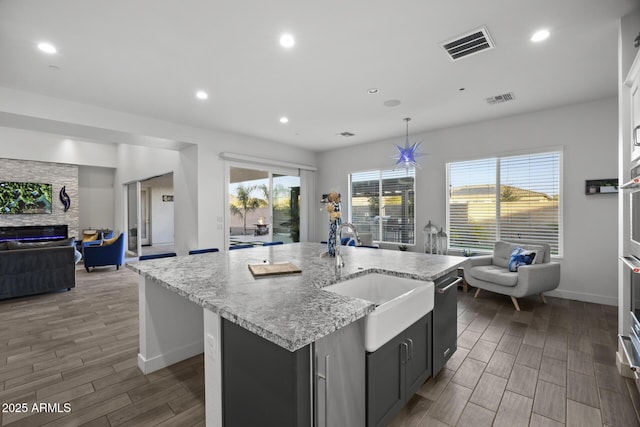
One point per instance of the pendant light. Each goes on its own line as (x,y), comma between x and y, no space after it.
(406,156)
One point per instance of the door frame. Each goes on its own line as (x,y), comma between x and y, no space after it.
(270,169)
(145,202)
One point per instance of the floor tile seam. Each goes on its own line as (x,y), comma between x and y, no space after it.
(565,406)
(584,403)
(129,421)
(581,372)
(417,424)
(600,410)
(626,396)
(74,380)
(482,406)
(177,385)
(92,407)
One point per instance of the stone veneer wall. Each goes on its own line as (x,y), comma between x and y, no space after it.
(56,174)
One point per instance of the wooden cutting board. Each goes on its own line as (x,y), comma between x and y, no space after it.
(260,270)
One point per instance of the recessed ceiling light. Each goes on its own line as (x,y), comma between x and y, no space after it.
(202,94)
(284,120)
(287,40)
(540,35)
(47,47)
(373,91)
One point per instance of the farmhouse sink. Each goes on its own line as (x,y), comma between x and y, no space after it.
(400,302)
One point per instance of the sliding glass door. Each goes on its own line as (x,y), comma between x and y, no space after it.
(285,209)
(264,206)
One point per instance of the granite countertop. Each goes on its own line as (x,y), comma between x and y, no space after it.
(289,310)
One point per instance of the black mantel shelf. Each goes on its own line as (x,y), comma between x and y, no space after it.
(34,233)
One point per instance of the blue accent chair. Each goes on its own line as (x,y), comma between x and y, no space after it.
(202,251)
(99,256)
(240,247)
(156,256)
(273,243)
(98,242)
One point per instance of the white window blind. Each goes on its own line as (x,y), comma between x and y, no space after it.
(383,203)
(505,198)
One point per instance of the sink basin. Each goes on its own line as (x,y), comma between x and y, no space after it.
(400,303)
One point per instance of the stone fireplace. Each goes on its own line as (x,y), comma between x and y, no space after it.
(58,175)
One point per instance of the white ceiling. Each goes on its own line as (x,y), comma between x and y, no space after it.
(148,57)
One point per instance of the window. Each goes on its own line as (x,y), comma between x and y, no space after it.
(526,205)
(383,203)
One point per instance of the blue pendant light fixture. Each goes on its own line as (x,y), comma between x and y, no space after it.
(406,156)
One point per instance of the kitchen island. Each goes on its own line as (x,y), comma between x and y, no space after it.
(186,301)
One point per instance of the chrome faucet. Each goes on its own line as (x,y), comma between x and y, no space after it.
(339,260)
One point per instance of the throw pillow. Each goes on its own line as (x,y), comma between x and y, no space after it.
(106,242)
(520,257)
(77,255)
(89,237)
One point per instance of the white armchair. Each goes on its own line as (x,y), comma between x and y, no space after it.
(491,272)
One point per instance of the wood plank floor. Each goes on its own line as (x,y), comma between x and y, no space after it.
(80,347)
(548,365)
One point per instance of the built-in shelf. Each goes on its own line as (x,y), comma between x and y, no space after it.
(601,186)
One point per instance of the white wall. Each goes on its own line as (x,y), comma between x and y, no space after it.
(588,134)
(96,162)
(96,197)
(162,215)
(46,147)
(211,178)
(136,163)
(148,147)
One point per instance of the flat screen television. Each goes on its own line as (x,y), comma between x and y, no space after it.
(25,198)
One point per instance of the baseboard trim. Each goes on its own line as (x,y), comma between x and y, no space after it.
(584,297)
(160,361)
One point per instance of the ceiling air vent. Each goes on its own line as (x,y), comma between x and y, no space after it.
(499,99)
(473,42)
(346,134)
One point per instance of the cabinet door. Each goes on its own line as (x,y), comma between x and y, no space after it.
(263,384)
(445,326)
(340,378)
(418,368)
(385,381)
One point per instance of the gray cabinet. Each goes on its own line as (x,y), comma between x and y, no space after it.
(445,325)
(263,384)
(320,385)
(339,368)
(397,370)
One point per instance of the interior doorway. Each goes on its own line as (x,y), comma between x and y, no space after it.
(150,215)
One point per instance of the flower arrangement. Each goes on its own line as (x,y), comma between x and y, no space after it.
(333,206)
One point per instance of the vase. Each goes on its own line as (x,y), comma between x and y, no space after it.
(331,241)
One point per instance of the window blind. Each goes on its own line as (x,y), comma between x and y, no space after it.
(505,198)
(382,202)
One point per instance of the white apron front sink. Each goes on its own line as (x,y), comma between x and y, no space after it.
(400,303)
